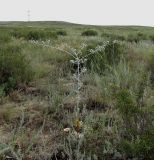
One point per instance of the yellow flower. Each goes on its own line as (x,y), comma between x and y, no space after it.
(78,125)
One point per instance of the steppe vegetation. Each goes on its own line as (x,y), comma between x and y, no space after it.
(75,92)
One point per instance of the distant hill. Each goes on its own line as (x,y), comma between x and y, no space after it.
(62,23)
(77,29)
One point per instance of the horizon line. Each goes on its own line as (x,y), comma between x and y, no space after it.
(75,23)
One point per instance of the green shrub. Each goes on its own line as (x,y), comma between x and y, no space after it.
(145,146)
(4,38)
(61,33)
(34,34)
(132,38)
(141,36)
(120,37)
(114,50)
(125,103)
(151,68)
(50,35)
(106,35)
(101,60)
(141,148)
(40,35)
(89,33)
(14,68)
(151,38)
(17,33)
(137,134)
(95,62)
(136,37)
(113,36)
(2,93)
(129,112)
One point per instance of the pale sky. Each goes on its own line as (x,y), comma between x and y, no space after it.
(96,12)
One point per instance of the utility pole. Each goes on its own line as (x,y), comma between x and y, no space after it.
(28,15)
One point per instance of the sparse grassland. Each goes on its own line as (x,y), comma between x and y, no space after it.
(76,92)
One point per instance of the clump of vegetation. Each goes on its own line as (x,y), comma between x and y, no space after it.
(89,32)
(151,38)
(35,35)
(91,101)
(113,36)
(136,37)
(136,134)
(40,35)
(30,34)
(61,33)
(151,67)
(4,38)
(101,60)
(14,68)
(142,36)
(132,38)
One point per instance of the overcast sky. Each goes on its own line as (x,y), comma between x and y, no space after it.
(97,12)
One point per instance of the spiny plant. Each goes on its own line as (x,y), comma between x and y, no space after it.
(75,139)
(78,61)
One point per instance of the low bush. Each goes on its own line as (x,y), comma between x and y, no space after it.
(151,68)
(34,34)
(141,148)
(136,37)
(89,33)
(113,36)
(151,38)
(61,33)
(141,36)
(137,122)
(101,60)
(14,68)
(128,90)
(99,139)
(132,38)
(17,33)
(4,38)
(40,35)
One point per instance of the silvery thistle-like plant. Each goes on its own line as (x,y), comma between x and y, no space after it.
(79,60)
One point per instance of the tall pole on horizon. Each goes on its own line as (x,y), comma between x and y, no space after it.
(28,15)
